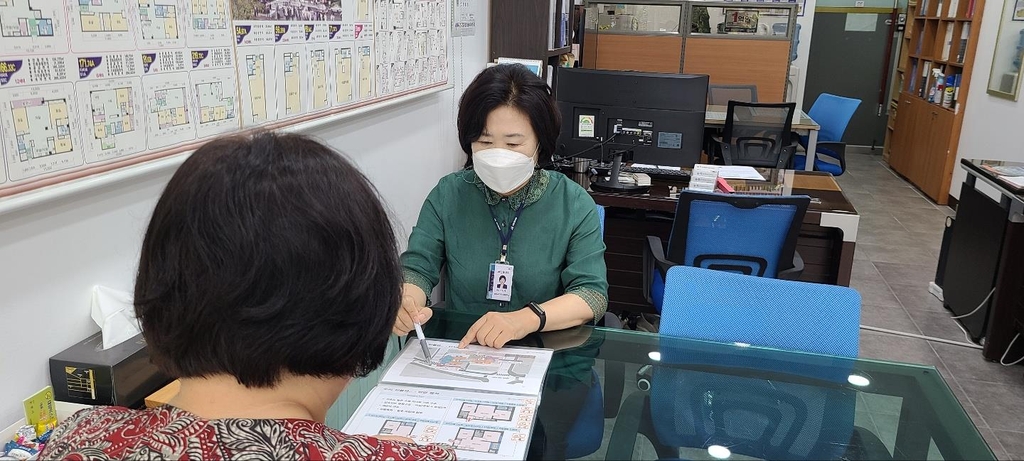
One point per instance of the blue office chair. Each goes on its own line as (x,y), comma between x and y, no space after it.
(587,431)
(833,114)
(753,235)
(756,402)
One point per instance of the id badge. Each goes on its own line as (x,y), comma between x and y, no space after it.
(499,281)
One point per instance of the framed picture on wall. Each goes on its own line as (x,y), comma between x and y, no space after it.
(1018,11)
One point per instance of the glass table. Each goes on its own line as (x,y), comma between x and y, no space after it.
(700,400)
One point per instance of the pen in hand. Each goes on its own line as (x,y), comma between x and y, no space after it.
(423,342)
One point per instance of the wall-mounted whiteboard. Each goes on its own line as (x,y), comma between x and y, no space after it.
(90,86)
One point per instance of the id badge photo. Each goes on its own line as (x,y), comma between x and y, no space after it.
(499,281)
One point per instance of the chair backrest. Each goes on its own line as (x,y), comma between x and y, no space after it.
(720,95)
(749,234)
(757,133)
(783,314)
(809,416)
(833,114)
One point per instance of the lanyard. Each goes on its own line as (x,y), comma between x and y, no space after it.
(506,237)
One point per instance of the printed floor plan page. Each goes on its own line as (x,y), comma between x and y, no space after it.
(515,370)
(478,425)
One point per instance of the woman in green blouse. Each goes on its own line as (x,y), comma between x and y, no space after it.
(502,216)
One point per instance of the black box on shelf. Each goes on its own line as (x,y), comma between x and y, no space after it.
(122,375)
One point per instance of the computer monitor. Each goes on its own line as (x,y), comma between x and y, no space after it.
(655,118)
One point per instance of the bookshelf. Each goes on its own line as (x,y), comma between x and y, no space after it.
(531,29)
(924,123)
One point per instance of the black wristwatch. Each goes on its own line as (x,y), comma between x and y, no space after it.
(540,313)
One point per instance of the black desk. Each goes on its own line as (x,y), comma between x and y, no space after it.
(908,408)
(985,253)
(828,237)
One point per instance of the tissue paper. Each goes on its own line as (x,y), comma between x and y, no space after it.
(114,312)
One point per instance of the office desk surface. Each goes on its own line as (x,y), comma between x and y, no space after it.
(801,122)
(826,195)
(908,411)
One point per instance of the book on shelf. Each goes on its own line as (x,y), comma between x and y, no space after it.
(913,77)
(553,18)
(947,43)
(970,9)
(965,35)
(953,5)
(938,9)
(481,401)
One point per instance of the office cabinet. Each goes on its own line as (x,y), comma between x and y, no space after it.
(922,139)
(920,148)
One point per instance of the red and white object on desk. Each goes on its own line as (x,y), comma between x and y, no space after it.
(723,186)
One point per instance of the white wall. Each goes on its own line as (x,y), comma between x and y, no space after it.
(52,254)
(992,125)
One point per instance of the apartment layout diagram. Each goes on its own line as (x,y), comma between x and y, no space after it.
(486,412)
(318,78)
(256,73)
(464,365)
(18,18)
(342,74)
(215,103)
(395,427)
(170,108)
(209,14)
(365,72)
(478,440)
(159,21)
(113,114)
(42,127)
(102,15)
(292,79)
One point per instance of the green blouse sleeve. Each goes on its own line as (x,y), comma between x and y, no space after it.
(585,274)
(423,259)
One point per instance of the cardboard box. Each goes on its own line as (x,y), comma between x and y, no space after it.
(122,375)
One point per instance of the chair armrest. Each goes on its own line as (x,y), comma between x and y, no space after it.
(627,426)
(654,260)
(794,272)
(786,156)
(837,148)
(614,383)
(726,149)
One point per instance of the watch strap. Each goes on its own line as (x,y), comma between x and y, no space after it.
(540,313)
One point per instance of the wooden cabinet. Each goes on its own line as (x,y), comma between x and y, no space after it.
(923,138)
(920,148)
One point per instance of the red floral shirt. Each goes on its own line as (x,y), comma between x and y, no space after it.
(167,432)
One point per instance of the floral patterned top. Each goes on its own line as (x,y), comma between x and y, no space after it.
(167,432)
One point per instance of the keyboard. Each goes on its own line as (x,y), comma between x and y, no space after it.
(659,173)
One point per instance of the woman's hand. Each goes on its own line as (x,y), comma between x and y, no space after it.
(495,329)
(412,311)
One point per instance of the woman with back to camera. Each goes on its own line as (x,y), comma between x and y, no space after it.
(502,216)
(269,278)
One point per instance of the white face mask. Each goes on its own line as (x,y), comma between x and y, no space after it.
(502,170)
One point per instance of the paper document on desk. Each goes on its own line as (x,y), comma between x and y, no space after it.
(714,115)
(478,426)
(1016,181)
(513,370)
(739,172)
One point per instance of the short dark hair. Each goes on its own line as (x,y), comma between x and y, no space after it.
(515,86)
(265,255)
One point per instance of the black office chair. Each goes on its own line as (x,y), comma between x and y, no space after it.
(757,134)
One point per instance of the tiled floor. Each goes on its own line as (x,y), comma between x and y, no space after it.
(897,251)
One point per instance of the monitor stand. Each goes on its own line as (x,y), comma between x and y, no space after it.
(612,184)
